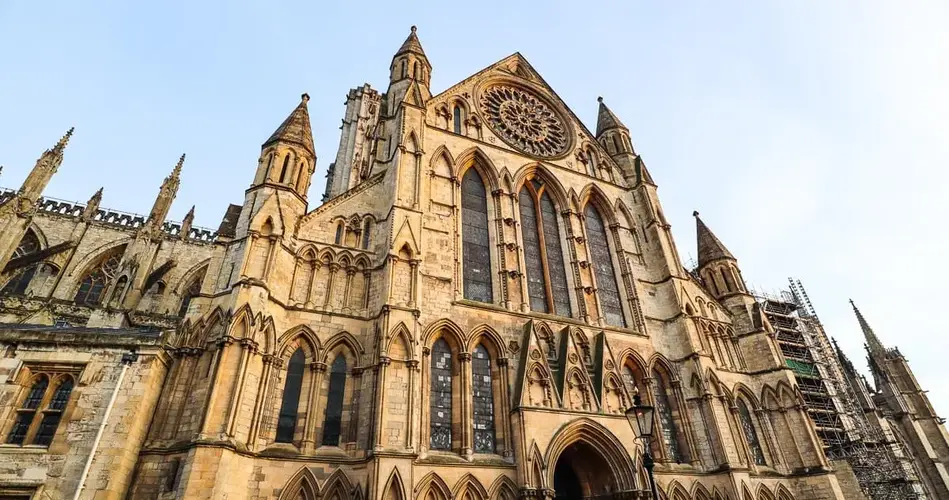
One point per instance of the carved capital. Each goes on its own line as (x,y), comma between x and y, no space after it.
(318,367)
(412,364)
(426,351)
(385,360)
(509,221)
(589,290)
(502,362)
(511,246)
(514,273)
(583,264)
(464,357)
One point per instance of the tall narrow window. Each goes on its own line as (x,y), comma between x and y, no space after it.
(591,164)
(339,234)
(334,402)
(751,435)
(366,233)
(483,397)
(53,413)
(475,241)
(440,418)
(607,289)
(456,122)
(616,144)
(287,421)
(18,284)
(669,439)
(94,284)
(26,412)
(283,170)
(543,255)
(403,68)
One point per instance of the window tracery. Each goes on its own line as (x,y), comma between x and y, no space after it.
(94,284)
(668,430)
(334,402)
(546,276)
(19,283)
(38,417)
(440,407)
(287,419)
(607,288)
(751,435)
(476,251)
(483,397)
(524,121)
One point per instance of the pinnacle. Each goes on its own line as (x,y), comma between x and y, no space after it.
(710,247)
(606,120)
(296,128)
(61,145)
(411,44)
(177,171)
(873,342)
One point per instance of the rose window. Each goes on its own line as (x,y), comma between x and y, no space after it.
(524,121)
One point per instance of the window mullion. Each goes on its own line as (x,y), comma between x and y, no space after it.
(40,411)
(541,242)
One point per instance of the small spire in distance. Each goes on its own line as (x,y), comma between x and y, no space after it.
(605,119)
(177,171)
(61,145)
(411,44)
(97,196)
(295,128)
(190,215)
(710,247)
(873,342)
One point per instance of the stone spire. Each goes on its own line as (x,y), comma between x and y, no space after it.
(411,45)
(710,247)
(295,129)
(873,342)
(186,223)
(43,171)
(92,206)
(606,120)
(410,73)
(166,195)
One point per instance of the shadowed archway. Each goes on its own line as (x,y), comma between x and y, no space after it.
(582,473)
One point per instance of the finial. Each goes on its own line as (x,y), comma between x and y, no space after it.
(599,99)
(64,140)
(305,97)
(190,214)
(695,213)
(414,29)
(98,193)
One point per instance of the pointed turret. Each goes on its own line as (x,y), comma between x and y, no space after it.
(186,224)
(409,74)
(295,129)
(411,44)
(43,171)
(166,195)
(606,120)
(717,266)
(873,342)
(92,206)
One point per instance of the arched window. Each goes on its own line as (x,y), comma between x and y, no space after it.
(283,170)
(19,283)
(607,289)
(334,402)
(415,70)
(339,234)
(546,275)
(456,119)
(481,385)
(287,421)
(669,439)
(591,164)
(26,412)
(475,241)
(403,72)
(119,292)
(616,144)
(94,284)
(192,291)
(53,413)
(751,435)
(440,418)
(366,233)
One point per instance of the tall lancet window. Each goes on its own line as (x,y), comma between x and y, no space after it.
(668,431)
(440,407)
(607,289)
(476,247)
(334,402)
(543,254)
(751,435)
(483,398)
(456,119)
(19,283)
(287,421)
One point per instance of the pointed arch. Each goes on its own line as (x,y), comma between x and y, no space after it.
(743,391)
(783,493)
(299,336)
(394,488)
(538,468)
(441,152)
(593,194)
(346,340)
(503,488)
(337,486)
(444,328)
(625,218)
(675,491)
(475,158)
(485,334)
(301,486)
(469,488)
(658,361)
(746,492)
(700,492)
(432,487)
(98,275)
(769,398)
(764,493)
(600,439)
(553,186)
(400,341)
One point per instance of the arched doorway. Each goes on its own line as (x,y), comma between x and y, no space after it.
(581,473)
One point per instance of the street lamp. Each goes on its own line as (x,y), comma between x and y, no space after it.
(640,418)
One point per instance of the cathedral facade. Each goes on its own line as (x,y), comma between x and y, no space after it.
(466,315)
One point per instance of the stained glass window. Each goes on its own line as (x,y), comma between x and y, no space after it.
(334,402)
(339,234)
(536,282)
(441,396)
(670,442)
(24,416)
(476,247)
(481,385)
(94,284)
(751,435)
(630,379)
(607,289)
(287,421)
(17,285)
(546,276)
(366,233)
(53,414)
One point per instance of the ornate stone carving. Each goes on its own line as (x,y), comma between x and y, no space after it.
(524,121)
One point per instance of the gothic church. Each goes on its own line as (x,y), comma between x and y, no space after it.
(465,315)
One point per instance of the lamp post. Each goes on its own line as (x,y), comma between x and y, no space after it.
(640,418)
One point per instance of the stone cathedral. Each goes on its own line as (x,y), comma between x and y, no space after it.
(465,315)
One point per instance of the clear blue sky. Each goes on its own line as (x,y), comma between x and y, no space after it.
(811,135)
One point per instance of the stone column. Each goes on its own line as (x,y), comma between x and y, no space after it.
(464,371)
(317,369)
(263,389)
(237,394)
(412,366)
(381,369)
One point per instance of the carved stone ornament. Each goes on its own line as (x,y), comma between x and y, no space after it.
(513,346)
(609,364)
(535,354)
(573,357)
(524,121)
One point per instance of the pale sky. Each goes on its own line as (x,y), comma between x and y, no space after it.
(811,135)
